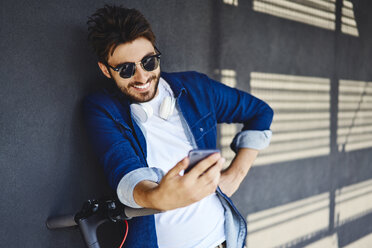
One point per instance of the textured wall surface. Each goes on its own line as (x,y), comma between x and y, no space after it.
(47,67)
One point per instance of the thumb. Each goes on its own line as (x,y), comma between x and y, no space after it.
(179,167)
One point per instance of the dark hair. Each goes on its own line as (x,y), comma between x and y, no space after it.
(111,26)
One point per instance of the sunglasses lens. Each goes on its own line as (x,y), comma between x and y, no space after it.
(150,63)
(126,71)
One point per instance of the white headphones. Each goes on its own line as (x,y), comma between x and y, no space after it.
(143,111)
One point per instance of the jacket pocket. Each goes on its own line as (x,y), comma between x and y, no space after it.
(205,125)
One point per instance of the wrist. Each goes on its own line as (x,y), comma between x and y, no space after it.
(144,194)
(233,174)
(241,163)
(154,198)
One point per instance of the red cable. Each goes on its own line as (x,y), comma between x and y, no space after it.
(126,233)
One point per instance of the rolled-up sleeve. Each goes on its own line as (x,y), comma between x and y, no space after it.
(253,139)
(130,180)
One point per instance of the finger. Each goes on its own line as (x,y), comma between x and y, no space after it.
(211,182)
(179,167)
(212,175)
(204,164)
(219,166)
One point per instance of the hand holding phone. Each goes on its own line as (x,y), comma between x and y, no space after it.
(196,155)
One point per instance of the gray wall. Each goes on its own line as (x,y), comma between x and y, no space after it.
(47,166)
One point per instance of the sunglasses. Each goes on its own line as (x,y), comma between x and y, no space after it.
(148,63)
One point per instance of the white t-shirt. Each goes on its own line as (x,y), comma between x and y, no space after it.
(200,224)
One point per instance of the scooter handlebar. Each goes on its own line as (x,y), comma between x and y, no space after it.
(61,221)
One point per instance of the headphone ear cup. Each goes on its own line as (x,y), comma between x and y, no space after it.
(167,107)
(141,112)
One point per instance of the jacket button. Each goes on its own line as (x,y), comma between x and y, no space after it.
(201,129)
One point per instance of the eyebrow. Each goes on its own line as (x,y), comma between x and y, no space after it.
(148,54)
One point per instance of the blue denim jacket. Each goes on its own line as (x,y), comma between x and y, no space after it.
(203,102)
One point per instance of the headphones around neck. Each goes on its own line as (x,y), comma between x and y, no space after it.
(143,111)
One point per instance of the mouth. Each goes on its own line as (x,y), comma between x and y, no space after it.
(142,86)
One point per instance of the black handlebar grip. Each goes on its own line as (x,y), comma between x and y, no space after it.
(135,212)
(61,221)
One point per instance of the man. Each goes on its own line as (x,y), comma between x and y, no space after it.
(143,128)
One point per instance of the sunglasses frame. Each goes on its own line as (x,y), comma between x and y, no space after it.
(119,67)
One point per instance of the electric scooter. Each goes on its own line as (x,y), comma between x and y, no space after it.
(93,214)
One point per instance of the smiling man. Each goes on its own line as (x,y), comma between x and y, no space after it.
(140,86)
(143,128)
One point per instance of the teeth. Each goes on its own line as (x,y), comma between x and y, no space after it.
(142,87)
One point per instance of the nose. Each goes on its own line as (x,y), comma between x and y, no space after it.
(140,75)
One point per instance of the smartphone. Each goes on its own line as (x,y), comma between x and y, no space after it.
(196,155)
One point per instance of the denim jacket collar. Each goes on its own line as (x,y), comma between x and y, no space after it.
(176,85)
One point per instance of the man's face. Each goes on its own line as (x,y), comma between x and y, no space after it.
(143,85)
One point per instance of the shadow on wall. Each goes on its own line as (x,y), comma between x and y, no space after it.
(308,128)
(301,128)
(306,222)
(302,115)
(319,13)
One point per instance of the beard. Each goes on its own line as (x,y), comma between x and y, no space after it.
(139,97)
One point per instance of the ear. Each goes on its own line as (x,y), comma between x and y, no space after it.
(104,69)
